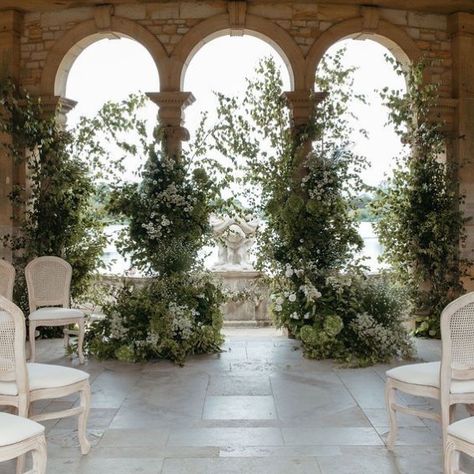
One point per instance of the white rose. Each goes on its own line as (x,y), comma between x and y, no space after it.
(292,297)
(294,315)
(278,308)
(279,300)
(289,272)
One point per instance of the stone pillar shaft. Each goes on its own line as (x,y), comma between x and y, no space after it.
(11,25)
(461,27)
(302,104)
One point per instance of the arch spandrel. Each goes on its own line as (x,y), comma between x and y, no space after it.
(219,25)
(395,39)
(67,48)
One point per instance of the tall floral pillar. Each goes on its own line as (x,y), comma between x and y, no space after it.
(11,24)
(171,106)
(462,36)
(302,104)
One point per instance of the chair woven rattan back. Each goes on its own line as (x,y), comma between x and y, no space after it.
(49,281)
(12,345)
(457,333)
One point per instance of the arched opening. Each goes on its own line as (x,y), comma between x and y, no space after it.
(111,68)
(367,55)
(220,40)
(233,60)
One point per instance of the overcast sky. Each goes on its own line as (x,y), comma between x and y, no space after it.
(111,69)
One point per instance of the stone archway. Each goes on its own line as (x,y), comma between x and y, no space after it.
(392,37)
(219,25)
(65,51)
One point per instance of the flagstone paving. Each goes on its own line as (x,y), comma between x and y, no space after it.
(258,407)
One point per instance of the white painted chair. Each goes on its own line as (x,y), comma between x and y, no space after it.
(460,438)
(451,381)
(22,383)
(7,279)
(19,436)
(49,281)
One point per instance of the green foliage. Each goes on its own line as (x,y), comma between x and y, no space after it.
(359,322)
(178,313)
(305,182)
(54,214)
(420,223)
(171,317)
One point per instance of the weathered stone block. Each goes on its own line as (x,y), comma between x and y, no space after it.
(414,33)
(271,10)
(397,17)
(72,15)
(305,11)
(337,12)
(170,29)
(163,11)
(201,9)
(427,20)
(134,12)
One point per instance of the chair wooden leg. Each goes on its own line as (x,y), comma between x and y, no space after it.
(80,340)
(85,400)
(66,337)
(40,457)
(32,341)
(20,464)
(392,414)
(446,412)
(451,458)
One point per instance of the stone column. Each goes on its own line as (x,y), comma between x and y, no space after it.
(11,25)
(461,27)
(302,104)
(171,117)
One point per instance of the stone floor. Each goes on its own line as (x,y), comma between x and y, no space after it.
(259,407)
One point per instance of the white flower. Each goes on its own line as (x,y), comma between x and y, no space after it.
(306,316)
(294,315)
(278,308)
(279,300)
(292,297)
(289,272)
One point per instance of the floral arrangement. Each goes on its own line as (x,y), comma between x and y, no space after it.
(178,312)
(320,293)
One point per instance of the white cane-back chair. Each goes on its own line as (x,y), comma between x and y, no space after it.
(460,438)
(21,384)
(49,280)
(19,436)
(7,279)
(451,381)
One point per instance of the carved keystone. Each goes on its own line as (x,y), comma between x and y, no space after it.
(370,16)
(237,12)
(102,16)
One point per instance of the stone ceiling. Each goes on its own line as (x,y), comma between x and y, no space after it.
(433,6)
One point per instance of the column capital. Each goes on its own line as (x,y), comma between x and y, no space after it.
(171,105)
(302,103)
(172,99)
(55,104)
(461,24)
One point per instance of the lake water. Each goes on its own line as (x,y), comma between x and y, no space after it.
(118,265)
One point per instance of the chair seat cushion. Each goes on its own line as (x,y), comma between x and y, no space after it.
(46,376)
(56,313)
(463,429)
(14,429)
(427,374)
